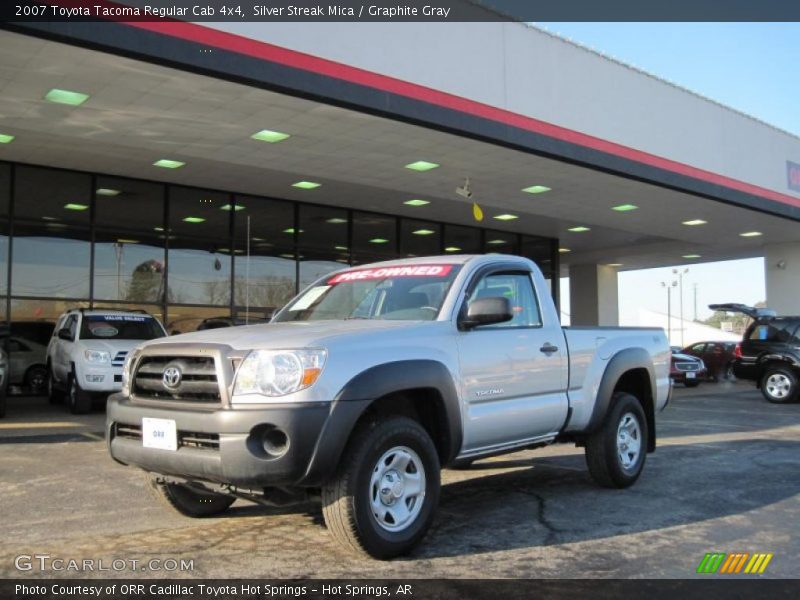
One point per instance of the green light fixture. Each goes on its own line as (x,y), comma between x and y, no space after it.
(236,207)
(165,163)
(422,166)
(423,232)
(66,97)
(107,192)
(416,202)
(267,135)
(76,206)
(695,222)
(452,249)
(336,221)
(624,207)
(379,241)
(6,139)
(579,229)
(193,220)
(536,189)
(306,185)
(506,217)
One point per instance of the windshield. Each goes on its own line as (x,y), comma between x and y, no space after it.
(408,293)
(120,327)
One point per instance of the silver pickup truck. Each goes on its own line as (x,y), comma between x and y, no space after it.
(374,378)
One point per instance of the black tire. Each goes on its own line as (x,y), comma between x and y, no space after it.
(728,373)
(779,384)
(691,384)
(603,455)
(54,395)
(188,501)
(36,379)
(348,499)
(80,402)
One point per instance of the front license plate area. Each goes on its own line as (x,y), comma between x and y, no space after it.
(690,375)
(159,433)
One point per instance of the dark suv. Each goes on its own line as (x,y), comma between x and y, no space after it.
(769,353)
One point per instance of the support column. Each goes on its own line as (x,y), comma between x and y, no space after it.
(593,295)
(782,271)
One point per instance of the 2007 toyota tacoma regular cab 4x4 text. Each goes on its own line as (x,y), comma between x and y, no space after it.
(374,378)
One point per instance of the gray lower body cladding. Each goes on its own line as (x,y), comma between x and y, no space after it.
(232,442)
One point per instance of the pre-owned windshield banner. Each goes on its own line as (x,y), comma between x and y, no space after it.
(409,10)
(391,273)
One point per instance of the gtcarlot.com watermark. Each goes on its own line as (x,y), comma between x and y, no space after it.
(46,562)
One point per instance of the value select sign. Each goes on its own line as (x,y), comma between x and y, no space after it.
(793,175)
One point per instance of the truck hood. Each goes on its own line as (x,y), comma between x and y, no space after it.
(111,346)
(298,334)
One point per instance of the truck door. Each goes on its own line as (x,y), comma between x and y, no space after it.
(513,374)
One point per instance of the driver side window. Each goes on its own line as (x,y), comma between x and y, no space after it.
(518,288)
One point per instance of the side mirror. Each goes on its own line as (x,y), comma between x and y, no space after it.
(64,334)
(487,311)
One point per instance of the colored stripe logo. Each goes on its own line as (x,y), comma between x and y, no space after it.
(736,562)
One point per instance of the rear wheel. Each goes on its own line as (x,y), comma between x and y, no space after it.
(779,384)
(188,501)
(80,402)
(616,452)
(36,379)
(382,499)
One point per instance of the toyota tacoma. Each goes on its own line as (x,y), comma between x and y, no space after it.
(374,378)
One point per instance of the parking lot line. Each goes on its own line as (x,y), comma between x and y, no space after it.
(44,425)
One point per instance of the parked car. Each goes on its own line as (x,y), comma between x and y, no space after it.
(86,354)
(27,365)
(769,353)
(717,356)
(688,370)
(371,380)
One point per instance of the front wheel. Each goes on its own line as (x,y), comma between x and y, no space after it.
(616,452)
(779,384)
(188,501)
(382,499)
(80,402)
(54,395)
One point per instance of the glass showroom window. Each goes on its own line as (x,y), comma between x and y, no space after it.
(323,241)
(266,277)
(129,241)
(374,237)
(462,240)
(5,193)
(51,233)
(419,238)
(199,259)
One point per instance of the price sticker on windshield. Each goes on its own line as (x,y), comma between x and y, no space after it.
(391,273)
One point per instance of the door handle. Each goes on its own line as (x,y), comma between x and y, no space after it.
(548,348)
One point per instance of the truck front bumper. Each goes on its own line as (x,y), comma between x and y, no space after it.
(245,447)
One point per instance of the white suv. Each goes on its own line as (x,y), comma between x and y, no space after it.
(88,349)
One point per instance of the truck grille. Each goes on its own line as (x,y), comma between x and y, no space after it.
(119,358)
(177,378)
(186,439)
(687,366)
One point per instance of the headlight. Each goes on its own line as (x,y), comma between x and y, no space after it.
(126,372)
(279,372)
(97,356)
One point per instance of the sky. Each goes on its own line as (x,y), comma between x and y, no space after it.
(751,67)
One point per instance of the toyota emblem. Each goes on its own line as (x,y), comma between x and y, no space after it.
(171,377)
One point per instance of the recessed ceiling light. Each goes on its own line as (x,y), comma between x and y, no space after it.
(624,207)
(695,222)
(691,256)
(257,239)
(236,207)
(124,241)
(292,230)
(536,189)
(423,232)
(76,206)
(266,135)
(341,248)
(291,256)
(66,97)
(579,229)
(497,242)
(614,265)
(6,139)
(506,217)
(306,185)
(107,192)
(193,219)
(751,234)
(379,241)
(416,202)
(49,219)
(452,249)
(421,165)
(165,163)
(158,229)
(336,221)
(564,250)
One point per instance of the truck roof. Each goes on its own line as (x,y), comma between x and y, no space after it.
(449,259)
